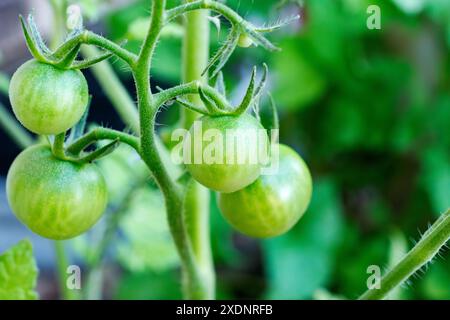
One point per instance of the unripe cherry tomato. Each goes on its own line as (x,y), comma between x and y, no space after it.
(239,166)
(272,204)
(48,100)
(54,198)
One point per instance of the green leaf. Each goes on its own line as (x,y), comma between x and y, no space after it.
(18,273)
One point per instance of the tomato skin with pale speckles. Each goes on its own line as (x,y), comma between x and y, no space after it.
(48,100)
(54,198)
(236,168)
(273,204)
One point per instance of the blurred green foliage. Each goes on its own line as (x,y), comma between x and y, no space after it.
(18,273)
(369,111)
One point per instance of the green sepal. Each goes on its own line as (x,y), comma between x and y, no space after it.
(66,61)
(209,104)
(100,152)
(84,64)
(36,35)
(190,106)
(218,61)
(32,46)
(248,98)
(71,42)
(262,82)
(274,122)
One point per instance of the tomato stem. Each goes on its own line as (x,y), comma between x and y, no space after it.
(196,204)
(58,146)
(102,134)
(190,88)
(62,264)
(239,23)
(421,254)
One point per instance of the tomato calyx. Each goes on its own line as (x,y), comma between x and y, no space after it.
(65,56)
(253,92)
(61,152)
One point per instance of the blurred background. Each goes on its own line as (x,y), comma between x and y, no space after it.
(368,110)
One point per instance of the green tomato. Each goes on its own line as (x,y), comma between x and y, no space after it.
(272,204)
(48,100)
(227,152)
(56,199)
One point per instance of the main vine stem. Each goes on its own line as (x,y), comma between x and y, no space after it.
(195,60)
(194,284)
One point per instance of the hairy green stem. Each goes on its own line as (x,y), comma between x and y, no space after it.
(102,134)
(191,88)
(149,152)
(126,108)
(196,205)
(95,39)
(422,253)
(58,146)
(240,25)
(218,7)
(88,37)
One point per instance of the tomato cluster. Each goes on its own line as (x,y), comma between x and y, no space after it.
(255,204)
(55,198)
(274,202)
(60,199)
